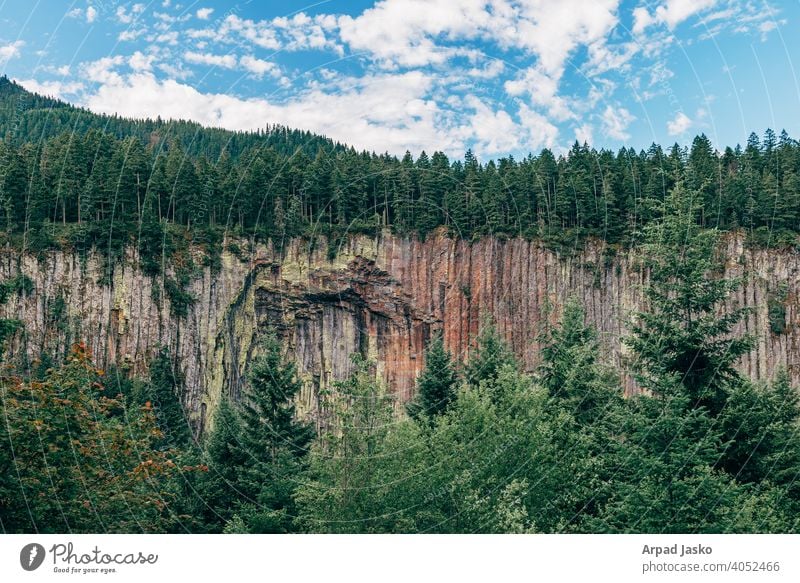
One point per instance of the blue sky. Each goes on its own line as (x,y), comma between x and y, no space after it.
(499,76)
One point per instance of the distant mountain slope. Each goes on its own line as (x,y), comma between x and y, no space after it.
(29,117)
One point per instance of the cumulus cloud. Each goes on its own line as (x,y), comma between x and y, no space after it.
(10,51)
(103,70)
(679,124)
(411,33)
(258,67)
(584,134)
(616,121)
(57,89)
(671,13)
(91,14)
(502,76)
(224,61)
(541,89)
(383,112)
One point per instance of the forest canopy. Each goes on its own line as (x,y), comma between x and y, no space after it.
(78,179)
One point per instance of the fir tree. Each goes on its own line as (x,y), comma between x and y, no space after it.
(436,385)
(272,439)
(491,354)
(570,370)
(683,332)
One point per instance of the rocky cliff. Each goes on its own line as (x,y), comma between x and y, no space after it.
(382,297)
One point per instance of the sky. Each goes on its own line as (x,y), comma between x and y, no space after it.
(502,77)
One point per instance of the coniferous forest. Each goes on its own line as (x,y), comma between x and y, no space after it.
(484,446)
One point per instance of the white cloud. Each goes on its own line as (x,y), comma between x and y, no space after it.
(57,89)
(584,134)
(412,33)
(641,19)
(102,70)
(261,36)
(679,124)
(494,131)
(258,67)
(491,70)
(125,17)
(616,121)
(300,32)
(671,13)
(204,13)
(91,14)
(542,89)
(386,112)
(130,34)
(540,132)
(138,61)
(10,51)
(603,58)
(224,61)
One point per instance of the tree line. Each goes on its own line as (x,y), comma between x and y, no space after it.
(482,447)
(72,178)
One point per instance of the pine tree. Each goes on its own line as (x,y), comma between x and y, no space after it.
(215,494)
(165,390)
(273,440)
(436,385)
(683,331)
(570,370)
(342,491)
(490,356)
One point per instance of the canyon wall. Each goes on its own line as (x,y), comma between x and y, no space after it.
(381,296)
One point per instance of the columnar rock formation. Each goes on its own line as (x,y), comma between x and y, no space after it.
(382,297)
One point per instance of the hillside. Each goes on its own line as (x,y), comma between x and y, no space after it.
(272,339)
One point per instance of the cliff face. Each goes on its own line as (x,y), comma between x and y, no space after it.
(380,297)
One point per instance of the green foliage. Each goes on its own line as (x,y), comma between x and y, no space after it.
(436,385)
(337,496)
(273,441)
(254,457)
(490,355)
(164,391)
(179,299)
(683,332)
(701,449)
(776,310)
(570,370)
(84,181)
(72,463)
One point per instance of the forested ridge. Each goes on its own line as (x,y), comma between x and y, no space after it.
(71,177)
(483,446)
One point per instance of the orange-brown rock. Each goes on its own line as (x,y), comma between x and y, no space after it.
(382,297)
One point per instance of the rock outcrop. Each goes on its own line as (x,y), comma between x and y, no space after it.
(382,297)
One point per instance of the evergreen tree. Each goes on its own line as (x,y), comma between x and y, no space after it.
(491,354)
(215,494)
(338,494)
(570,370)
(683,332)
(164,391)
(436,385)
(273,441)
